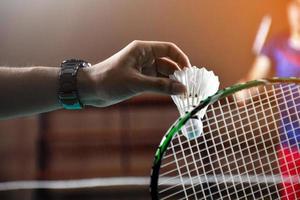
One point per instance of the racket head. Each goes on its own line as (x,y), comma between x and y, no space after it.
(174,133)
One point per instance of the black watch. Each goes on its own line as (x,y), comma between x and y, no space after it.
(68,91)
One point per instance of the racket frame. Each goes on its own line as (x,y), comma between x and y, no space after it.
(180,122)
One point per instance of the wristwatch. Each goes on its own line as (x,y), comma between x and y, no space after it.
(68,91)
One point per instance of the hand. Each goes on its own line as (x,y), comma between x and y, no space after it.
(140,67)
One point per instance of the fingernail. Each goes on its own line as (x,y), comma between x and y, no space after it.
(177,88)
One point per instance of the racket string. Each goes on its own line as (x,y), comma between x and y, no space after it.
(207,172)
(289,171)
(190,147)
(261,133)
(244,118)
(182,183)
(250,146)
(255,129)
(186,164)
(165,164)
(198,150)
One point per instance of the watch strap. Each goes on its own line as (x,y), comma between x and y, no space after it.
(68,91)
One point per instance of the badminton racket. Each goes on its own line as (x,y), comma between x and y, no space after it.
(262,34)
(244,152)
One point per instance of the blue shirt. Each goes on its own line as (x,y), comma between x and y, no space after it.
(284,58)
(286,63)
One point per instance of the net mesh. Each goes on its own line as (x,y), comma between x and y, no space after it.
(248,150)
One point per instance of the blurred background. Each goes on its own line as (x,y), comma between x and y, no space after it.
(118,141)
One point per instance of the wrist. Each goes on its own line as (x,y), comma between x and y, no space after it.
(85,85)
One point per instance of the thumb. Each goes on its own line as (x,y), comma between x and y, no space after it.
(161,85)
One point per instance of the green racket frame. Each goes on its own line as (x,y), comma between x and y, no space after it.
(180,122)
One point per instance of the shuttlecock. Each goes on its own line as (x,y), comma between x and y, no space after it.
(200,84)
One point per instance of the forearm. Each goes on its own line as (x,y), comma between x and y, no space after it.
(28,90)
(261,68)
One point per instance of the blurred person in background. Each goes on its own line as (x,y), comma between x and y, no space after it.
(142,66)
(281,57)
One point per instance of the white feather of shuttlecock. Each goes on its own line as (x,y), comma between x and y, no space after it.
(200,84)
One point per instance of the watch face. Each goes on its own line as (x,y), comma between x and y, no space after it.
(86,64)
(81,63)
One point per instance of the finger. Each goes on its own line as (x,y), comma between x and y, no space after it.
(161,85)
(164,49)
(162,67)
(166,66)
(168,49)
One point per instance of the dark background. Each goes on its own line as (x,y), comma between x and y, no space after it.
(216,34)
(119,140)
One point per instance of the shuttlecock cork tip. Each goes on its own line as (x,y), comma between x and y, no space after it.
(200,84)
